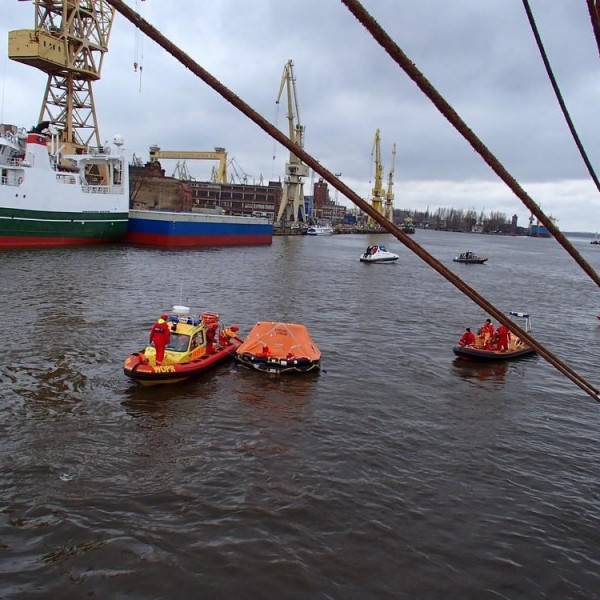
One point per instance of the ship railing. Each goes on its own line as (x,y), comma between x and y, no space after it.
(13,181)
(98,150)
(11,162)
(103,189)
(66,178)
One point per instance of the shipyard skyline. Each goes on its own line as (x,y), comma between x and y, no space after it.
(482,60)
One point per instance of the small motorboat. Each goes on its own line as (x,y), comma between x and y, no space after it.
(469,258)
(378,254)
(274,347)
(408,225)
(196,344)
(484,349)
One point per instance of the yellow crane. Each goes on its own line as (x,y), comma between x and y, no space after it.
(220,154)
(388,212)
(68,43)
(378,191)
(291,208)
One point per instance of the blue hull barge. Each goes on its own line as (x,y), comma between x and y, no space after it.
(193,230)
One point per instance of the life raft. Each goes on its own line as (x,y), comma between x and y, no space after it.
(275,347)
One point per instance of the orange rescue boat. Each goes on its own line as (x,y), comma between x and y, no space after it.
(190,352)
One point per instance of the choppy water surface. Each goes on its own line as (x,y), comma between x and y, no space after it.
(399,472)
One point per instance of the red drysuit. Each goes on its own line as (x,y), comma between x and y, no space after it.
(160,335)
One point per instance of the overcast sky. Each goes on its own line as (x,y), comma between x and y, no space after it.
(481,56)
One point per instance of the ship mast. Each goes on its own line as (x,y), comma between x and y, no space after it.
(68,43)
(291,208)
(389,196)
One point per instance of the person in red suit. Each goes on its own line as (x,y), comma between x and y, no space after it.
(488,327)
(160,336)
(503,334)
(211,331)
(468,338)
(486,331)
(227,335)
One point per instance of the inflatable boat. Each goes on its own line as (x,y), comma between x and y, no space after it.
(484,349)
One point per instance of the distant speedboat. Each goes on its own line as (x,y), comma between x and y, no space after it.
(324,229)
(469,258)
(378,254)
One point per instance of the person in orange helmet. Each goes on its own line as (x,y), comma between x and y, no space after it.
(160,336)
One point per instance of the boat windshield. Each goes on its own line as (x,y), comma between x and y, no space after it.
(179,342)
(382,248)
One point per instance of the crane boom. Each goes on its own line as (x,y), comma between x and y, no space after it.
(68,43)
(378,191)
(292,198)
(220,154)
(389,195)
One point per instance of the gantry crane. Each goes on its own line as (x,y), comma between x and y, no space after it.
(388,211)
(378,191)
(292,198)
(68,43)
(219,154)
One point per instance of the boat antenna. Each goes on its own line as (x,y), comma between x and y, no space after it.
(181,295)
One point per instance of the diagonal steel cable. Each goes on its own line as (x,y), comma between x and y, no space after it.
(558,94)
(328,176)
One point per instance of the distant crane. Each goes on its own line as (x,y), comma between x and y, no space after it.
(292,198)
(182,172)
(388,212)
(240,174)
(220,154)
(68,43)
(378,191)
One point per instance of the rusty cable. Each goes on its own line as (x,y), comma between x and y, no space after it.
(558,94)
(380,35)
(403,238)
(594,10)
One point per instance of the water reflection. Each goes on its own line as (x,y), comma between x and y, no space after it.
(284,395)
(483,371)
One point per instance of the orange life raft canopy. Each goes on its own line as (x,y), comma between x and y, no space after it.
(279,348)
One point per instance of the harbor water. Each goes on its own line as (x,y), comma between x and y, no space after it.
(399,472)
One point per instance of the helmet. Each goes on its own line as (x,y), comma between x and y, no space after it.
(165,317)
(234,328)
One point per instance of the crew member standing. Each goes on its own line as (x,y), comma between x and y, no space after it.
(160,336)
(211,331)
(487,333)
(503,334)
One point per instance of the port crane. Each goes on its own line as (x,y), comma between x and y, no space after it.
(220,154)
(68,43)
(378,192)
(291,208)
(388,212)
